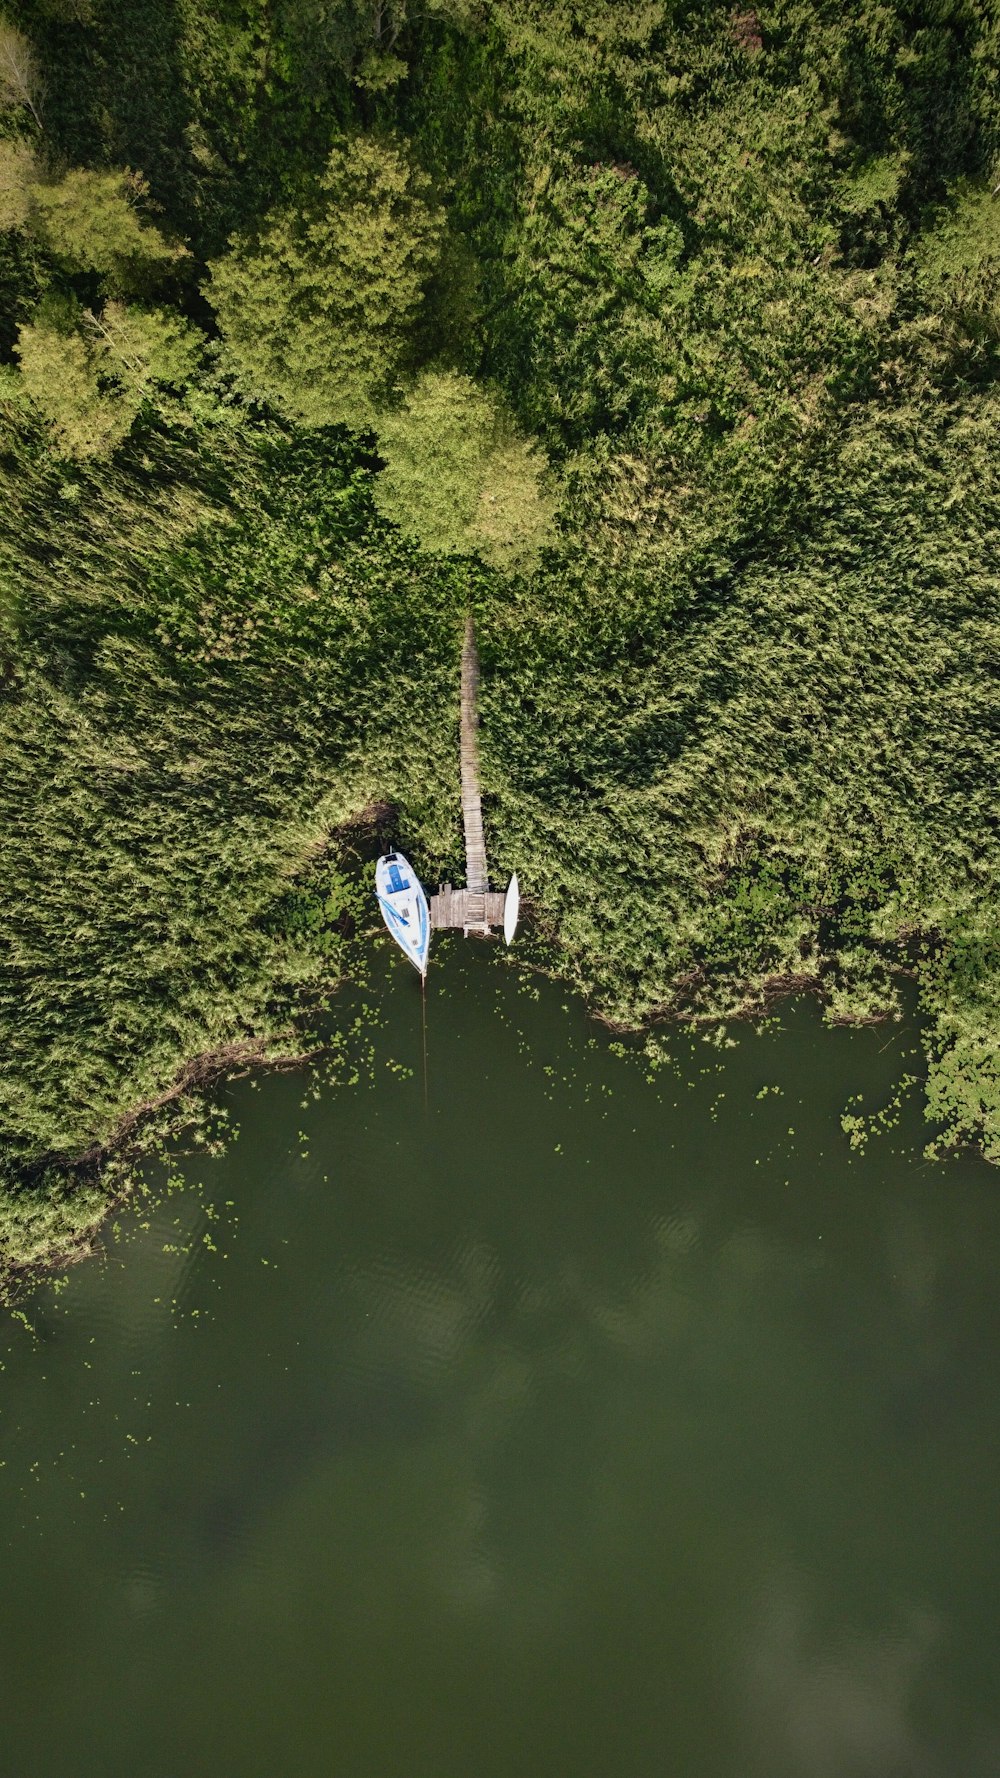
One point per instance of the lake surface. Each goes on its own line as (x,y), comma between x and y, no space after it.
(583,1426)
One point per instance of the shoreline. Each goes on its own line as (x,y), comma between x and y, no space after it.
(131,1141)
(136,1130)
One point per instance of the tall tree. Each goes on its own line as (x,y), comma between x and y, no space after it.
(315,309)
(88,375)
(348,31)
(20,80)
(18,172)
(460,477)
(60,376)
(91,222)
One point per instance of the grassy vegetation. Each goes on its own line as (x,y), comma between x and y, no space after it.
(219,663)
(728,279)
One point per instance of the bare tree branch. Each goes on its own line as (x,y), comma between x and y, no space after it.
(20,80)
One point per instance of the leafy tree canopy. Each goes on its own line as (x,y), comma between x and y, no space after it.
(315,308)
(460,477)
(60,378)
(20,78)
(18,172)
(362,34)
(87,375)
(91,222)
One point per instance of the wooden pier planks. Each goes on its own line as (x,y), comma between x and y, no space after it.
(477,907)
(476,877)
(464,911)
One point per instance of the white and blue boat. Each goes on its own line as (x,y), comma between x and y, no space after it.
(404,907)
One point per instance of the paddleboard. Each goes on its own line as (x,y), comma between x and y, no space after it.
(511,908)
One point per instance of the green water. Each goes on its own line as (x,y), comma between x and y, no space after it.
(582,1427)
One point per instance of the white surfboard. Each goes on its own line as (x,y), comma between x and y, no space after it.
(511,908)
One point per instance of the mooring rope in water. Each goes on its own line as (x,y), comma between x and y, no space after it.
(423,1022)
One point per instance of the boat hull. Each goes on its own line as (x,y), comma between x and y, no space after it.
(404,907)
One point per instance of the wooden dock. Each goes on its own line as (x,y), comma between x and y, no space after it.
(476,880)
(462,911)
(476,908)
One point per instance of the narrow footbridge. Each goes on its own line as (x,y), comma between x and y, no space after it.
(476,908)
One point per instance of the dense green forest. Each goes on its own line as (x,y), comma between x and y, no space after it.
(665,335)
